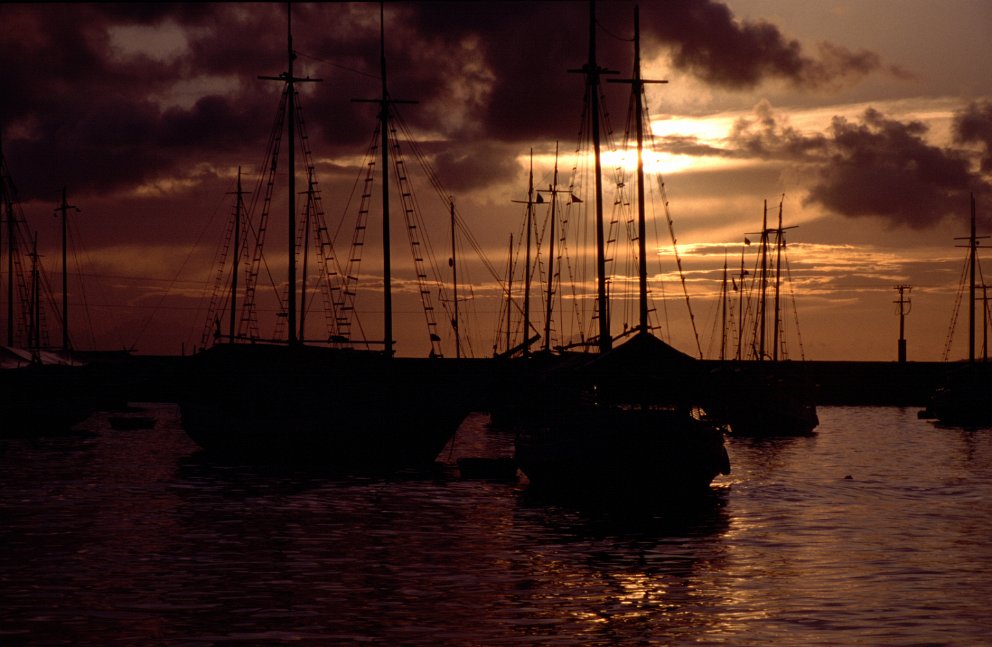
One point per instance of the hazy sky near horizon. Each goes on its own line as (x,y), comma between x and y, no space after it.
(871,121)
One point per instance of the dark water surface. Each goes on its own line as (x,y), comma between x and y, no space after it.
(134,537)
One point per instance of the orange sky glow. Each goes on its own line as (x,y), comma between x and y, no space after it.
(870,132)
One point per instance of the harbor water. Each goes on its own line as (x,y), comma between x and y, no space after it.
(875,531)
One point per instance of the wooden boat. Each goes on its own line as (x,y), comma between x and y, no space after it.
(618,423)
(340,406)
(622,422)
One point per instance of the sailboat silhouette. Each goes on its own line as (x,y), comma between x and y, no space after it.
(341,407)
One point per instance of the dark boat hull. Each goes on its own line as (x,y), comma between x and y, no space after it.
(777,417)
(754,401)
(605,451)
(47,399)
(967,402)
(326,407)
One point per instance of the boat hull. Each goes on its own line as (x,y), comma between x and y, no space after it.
(602,450)
(967,402)
(47,399)
(756,402)
(320,406)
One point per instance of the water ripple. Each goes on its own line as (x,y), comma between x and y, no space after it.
(874,531)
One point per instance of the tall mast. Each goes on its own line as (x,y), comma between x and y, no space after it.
(11,248)
(386,240)
(291,80)
(63,208)
(454,280)
(593,72)
(985,323)
(740,303)
(553,190)
(973,244)
(723,306)
(7,197)
(385,102)
(763,286)
(778,276)
(637,89)
(34,333)
(306,254)
(972,262)
(527,267)
(509,296)
(641,228)
(238,209)
(291,150)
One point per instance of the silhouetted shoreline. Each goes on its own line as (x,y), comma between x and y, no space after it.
(151,378)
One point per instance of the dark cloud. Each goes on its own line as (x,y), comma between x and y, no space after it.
(973,125)
(707,39)
(768,136)
(469,167)
(875,166)
(77,108)
(885,168)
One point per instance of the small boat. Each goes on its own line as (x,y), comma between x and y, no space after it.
(965,400)
(763,396)
(43,389)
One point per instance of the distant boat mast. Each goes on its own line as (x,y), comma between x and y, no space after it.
(7,199)
(972,262)
(63,208)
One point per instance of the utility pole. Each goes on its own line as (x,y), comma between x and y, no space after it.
(903,302)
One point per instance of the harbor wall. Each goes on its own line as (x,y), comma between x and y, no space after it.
(158,378)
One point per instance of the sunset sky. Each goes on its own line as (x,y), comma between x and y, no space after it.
(872,118)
